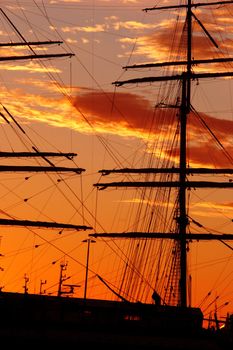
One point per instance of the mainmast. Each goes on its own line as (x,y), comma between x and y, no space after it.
(184,111)
(183,171)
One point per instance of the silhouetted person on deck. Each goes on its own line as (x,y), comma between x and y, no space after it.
(156,297)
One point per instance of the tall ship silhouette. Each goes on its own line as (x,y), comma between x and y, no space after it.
(149,304)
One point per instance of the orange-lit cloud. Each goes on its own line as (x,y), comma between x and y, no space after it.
(29,67)
(158,46)
(124,114)
(214,209)
(134,116)
(122,109)
(132,25)
(88,29)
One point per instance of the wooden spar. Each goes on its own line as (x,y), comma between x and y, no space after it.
(189,171)
(180,63)
(39,168)
(169,184)
(162,235)
(68,155)
(13,222)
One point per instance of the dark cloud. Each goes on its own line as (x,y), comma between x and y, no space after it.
(130,110)
(134,113)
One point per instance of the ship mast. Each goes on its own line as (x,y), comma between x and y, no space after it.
(184,111)
(7,116)
(185,77)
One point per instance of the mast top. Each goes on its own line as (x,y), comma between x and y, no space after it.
(200,4)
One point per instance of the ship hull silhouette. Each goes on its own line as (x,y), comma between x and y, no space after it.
(30,319)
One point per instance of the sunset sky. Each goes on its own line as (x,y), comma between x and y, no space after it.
(70,104)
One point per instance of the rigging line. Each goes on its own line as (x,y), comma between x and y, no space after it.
(45,267)
(128,276)
(212,133)
(100,138)
(213,207)
(56,247)
(41,62)
(17,252)
(115,155)
(23,200)
(205,265)
(125,258)
(142,261)
(216,26)
(52,180)
(207,229)
(226,244)
(14,130)
(224,268)
(42,207)
(82,200)
(82,114)
(25,249)
(98,8)
(65,94)
(44,8)
(14,120)
(212,262)
(211,303)
(226,287)
(205,30)
(42,138)
(96,209)
(81,203)
(6,136)
(98,56)
(111,289)
(23,12)
(79,47)
(70,201)
(50,75)
(146,269)
(35,271)
(179,48)
(226,277)
(132,49)
(16,30)
(166,262)
(54,185)
(24,132)
(204,299)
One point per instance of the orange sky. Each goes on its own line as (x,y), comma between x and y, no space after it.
(70,104)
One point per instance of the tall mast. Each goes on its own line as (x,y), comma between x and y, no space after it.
(185,78)
(184,111)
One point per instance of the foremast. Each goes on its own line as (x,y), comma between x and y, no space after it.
(185,107)
(7,116)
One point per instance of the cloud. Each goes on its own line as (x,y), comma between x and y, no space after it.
(132,25)
(123,114)
(158,46)
(129,114)
(30,67)
(87,29)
